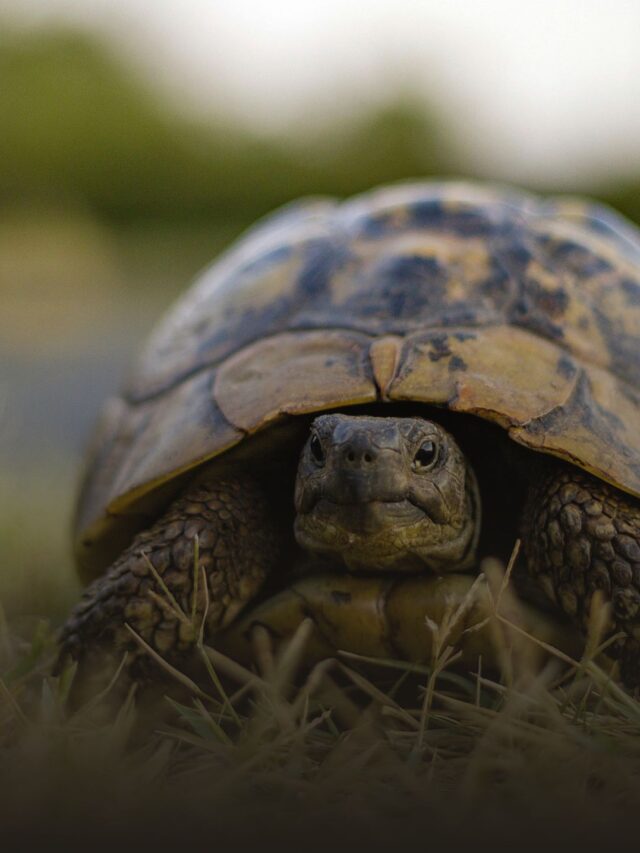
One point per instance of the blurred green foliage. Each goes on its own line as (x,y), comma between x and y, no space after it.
(79,127)
(625,197)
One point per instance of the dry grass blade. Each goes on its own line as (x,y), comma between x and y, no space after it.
(263,651)
(217,730)
(446,658)
(207,605)
(171,606)
(227,704)
(166,606)
(169,601)
(317,677)
(547,647)
(453,616)
(199,633)
(332,699)
(13,704)
(477,680)
(389,663)
(167,667)
(196,578)
(444,655)
(378,695)
(599,626)
(234,670)
(200,744)
(292,655)
(100,697)
(611,690)
(506,580)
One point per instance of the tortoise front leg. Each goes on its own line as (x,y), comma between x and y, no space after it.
(238,546)
(582,535)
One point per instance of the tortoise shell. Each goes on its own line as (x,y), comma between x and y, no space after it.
(523,311)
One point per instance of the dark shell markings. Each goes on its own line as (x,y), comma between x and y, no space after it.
(488,301)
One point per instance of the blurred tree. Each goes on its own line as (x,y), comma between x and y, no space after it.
(79,127)
(398,139)
(624,197)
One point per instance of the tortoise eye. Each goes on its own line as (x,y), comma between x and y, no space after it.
(317,451)
(426,455)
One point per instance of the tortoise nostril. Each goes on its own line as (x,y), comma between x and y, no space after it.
(357,456)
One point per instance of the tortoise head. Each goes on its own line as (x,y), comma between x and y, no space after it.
(386,494)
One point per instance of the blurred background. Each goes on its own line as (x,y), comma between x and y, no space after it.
(139,137)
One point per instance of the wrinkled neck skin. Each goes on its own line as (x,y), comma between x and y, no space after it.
(386,495)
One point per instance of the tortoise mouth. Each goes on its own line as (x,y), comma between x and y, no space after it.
(368,537)
(337,525)
(368,517)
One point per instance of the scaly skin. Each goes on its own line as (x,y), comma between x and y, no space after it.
(579,535)
(582,535)
(238,546)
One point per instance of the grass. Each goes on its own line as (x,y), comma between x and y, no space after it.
(36,575)
(366,750)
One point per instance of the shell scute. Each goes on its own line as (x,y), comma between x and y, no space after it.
(481,299)
(294,373)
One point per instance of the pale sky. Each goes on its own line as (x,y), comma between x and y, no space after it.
(545,90)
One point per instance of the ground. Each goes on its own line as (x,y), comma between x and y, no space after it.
(369,752)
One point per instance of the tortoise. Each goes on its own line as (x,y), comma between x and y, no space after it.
(357,403)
